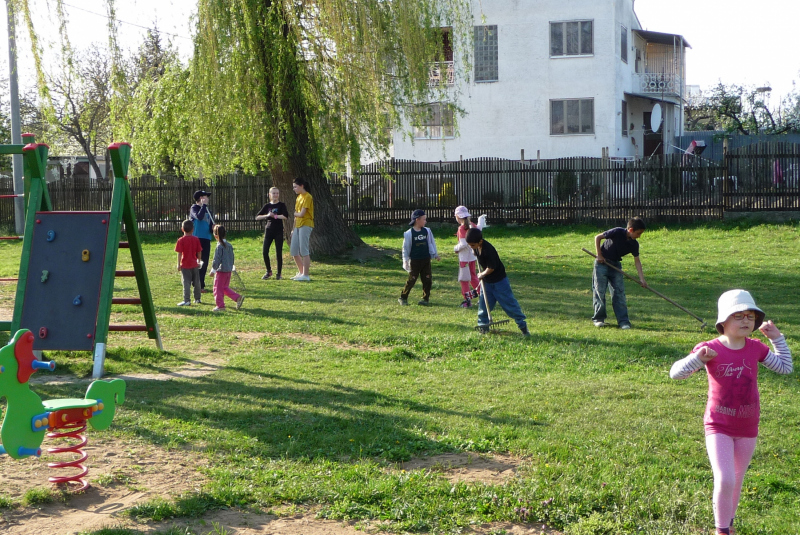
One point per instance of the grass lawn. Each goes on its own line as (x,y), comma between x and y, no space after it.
(326,385)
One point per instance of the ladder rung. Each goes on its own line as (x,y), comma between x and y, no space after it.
(126,301)
(11,238)
(124,245)
(9,280)
(125,273)
(143,328)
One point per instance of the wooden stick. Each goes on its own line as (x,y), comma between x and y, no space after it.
(662,296)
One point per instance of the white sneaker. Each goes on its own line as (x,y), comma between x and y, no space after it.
(217,309)
(625,326)
(599,323)
(296,276)
(302,278)
(184,303)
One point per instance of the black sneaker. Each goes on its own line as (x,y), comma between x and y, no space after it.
(278,277)
(483,329)
(525,331)
(402,301)
(423,302)
(267,275)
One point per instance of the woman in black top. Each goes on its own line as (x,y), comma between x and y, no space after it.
(274,212)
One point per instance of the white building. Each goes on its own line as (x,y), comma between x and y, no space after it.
(556,78)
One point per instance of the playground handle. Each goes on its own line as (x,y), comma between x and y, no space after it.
(49,365)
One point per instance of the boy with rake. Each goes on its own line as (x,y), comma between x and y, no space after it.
(494,283)
(618,242)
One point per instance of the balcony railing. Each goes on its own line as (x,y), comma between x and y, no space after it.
(658,83)
(442,73)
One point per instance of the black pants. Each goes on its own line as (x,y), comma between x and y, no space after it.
(206,245)
(419,268)
(276,237)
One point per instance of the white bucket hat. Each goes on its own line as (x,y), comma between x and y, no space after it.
(462,212)
(734,301)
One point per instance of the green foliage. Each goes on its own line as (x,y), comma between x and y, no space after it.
(41,495)
(493,198)
(401,204)
(447,197)
(565,185)
(533,196)
(249,100)
(366,202)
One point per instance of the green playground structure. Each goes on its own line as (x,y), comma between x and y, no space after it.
(69,263)
(27,418)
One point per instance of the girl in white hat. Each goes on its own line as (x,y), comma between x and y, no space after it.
(732,412)
(466,258)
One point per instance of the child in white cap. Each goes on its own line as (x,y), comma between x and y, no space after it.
(466,258)
(732,412)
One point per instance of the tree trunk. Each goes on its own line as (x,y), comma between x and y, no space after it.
(331,234)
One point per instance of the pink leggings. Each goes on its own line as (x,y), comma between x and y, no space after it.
(473,278)
(730,457)
(222,281)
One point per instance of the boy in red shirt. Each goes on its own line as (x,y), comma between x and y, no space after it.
(189,250)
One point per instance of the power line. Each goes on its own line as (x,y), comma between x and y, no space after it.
(126,22)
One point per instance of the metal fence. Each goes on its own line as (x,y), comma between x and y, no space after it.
(759,177)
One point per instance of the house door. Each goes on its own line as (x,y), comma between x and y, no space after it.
(653,141)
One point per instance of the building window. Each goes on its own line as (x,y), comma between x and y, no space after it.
(572,38)
(434,121)
(442,71)
(624,118)
(623,40)
(486,54)
(575,116)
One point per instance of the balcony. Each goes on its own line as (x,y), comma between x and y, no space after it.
(669,84)
(442,73)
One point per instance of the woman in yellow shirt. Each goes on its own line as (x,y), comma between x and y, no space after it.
(303,225)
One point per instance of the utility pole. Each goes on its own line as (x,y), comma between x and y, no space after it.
(16,134)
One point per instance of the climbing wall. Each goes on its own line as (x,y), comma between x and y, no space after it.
(62,290)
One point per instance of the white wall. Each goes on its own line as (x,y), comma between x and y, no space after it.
(514,113)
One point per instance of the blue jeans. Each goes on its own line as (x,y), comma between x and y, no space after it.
(500,292)
(602,277)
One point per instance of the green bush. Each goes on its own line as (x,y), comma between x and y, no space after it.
(366,202)
(566,185)
(401,204)
(493,198)
(533,196)
(448,195)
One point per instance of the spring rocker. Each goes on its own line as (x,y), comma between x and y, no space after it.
(68,263)
(28,420)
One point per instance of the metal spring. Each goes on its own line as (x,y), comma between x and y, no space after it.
(73,431)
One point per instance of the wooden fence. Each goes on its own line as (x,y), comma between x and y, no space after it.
(759,177)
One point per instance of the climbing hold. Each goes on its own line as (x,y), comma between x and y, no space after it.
(77,301)
(45,274)
(51,235)
(85,255)
(43,332)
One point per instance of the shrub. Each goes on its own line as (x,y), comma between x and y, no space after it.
(566,185)
(448,195)
(366,202)
(492,198)
(533,196)
(401,204)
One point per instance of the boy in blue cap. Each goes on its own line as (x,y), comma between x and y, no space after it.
(418,249)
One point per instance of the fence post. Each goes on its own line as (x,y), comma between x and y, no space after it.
(725,175)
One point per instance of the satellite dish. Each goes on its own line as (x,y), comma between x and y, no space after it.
(655,118)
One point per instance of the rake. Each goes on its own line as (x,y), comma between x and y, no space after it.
(662,296)
(492,323)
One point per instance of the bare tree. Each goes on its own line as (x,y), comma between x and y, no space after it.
(81,103)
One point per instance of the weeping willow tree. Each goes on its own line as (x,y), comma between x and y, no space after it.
(297,87)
